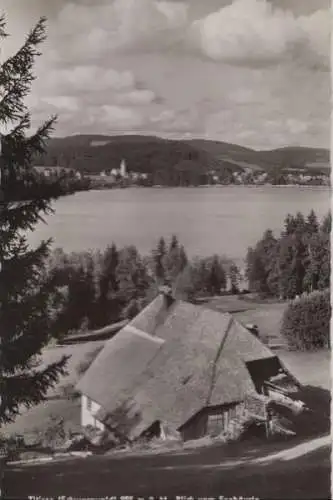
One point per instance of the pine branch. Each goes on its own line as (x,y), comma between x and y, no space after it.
(27,289)
(3,33)
(23,265)
(37,142)
(16,75)
(32,332)
(28,389)
(19,151)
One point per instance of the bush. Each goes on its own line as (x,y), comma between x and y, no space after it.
(54,435)
(10,447)
(306,321)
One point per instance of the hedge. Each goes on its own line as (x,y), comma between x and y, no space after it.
(306,321)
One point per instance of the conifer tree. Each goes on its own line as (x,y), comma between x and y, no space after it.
(312,224)
(25,287)
(217,276)
(108,303)
(158,255)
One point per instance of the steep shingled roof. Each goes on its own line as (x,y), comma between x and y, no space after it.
(169,362)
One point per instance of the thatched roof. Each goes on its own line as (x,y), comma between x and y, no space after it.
(168,363)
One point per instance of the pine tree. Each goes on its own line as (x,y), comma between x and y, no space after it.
(108,303)
(158,255)
(256,273)
(174,244)
(312,224)
(286,271)
(234,277)
(133,281)
(25,288)
(174,261)
(183,259)
(217,279)
(289,225)
(326,224)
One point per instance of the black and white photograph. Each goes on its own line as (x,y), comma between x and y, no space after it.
(165,257)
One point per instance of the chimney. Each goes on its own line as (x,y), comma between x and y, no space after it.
(167,292)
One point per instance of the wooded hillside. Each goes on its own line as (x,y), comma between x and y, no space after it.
(176,162)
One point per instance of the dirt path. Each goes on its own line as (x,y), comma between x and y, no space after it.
(289,474)
(298,450)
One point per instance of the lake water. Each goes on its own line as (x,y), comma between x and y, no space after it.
(223,220)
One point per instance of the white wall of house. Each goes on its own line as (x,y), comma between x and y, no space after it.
(89,409)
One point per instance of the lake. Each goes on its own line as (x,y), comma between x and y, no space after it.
(224,220)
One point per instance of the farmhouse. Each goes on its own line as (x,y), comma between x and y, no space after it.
(183,367)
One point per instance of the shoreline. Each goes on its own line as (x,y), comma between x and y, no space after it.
(216,186)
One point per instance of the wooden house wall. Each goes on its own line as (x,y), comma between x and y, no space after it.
(211,420)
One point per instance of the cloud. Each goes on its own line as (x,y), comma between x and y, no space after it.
(92,96)
(118,25)
(254,32)
(62,102)
(246,71)
(244,32)
(119,118)
(136,97)
(171,120)
(276,122)
(105,119)
(88,78)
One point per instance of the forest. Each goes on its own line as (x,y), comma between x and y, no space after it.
(295,262)
(100,287)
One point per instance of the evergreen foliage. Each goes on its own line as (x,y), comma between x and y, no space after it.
(98,288)
(26,289)
(296,262)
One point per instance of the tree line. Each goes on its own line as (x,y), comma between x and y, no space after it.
(296,262)
(96,288)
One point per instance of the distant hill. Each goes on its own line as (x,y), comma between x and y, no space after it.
(296,156)
(175,162)
(287,157)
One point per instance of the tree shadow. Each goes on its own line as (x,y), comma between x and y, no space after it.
(317,419)
(316,398)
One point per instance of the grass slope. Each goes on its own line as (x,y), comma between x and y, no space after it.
(38,416)
(224,470)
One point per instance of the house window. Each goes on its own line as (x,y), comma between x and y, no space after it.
(216,423)
(89,404)
(233,412)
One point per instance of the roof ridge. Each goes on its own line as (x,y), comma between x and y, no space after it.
(143,334)
(217,357)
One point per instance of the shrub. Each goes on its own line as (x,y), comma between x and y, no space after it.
(10,447)
(306,321)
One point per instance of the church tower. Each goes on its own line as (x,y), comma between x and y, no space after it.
(123,169)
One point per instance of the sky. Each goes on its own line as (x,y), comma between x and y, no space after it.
(251,72)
